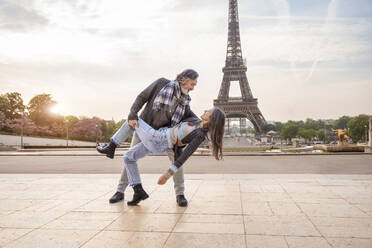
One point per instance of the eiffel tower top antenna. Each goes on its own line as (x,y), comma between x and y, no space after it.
(234,50)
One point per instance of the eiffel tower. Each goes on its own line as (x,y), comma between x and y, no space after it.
(244,107)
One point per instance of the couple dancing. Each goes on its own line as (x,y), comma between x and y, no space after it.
(166,124)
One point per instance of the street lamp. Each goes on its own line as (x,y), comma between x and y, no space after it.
(22,123)
(365,127)
(22,126)
(96,135)
(324,135)
(66,133)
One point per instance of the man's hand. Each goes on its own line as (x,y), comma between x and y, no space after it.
(162,180)
(133,123)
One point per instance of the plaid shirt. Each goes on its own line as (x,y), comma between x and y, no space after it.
(164,99)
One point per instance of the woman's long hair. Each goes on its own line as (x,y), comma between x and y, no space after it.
(216,130)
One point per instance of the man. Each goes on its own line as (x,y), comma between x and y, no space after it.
(161,110)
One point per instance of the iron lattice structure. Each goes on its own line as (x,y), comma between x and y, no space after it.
(244,107)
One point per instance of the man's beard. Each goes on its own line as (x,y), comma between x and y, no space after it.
(184,90)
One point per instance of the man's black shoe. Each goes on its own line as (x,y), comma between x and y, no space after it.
(108,149)
(181,200)
(118,196)
(139,195)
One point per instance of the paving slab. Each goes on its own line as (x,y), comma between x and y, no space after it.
(225,210)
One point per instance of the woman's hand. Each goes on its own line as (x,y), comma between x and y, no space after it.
(162,180)
(133,123)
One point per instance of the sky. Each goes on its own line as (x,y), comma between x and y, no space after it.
(305,59)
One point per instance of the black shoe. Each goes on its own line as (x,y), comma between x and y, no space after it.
(139,195)
(181,200)
(108,149)
(118,196)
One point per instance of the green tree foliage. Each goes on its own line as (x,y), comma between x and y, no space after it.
(314,124)
(268,127)
(108,128)
(39,110)
(307,134)
(289,131)
(70,120)
(11,104)
(278,126)
(357,128)
(341,122)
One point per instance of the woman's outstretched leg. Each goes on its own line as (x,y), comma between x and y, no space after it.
(130,159)
(115,141)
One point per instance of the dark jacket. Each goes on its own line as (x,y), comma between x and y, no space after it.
(193,141)
(155,118)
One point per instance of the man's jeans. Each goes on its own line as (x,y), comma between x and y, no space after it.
(120,136)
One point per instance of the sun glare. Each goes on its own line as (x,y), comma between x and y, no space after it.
(57,109)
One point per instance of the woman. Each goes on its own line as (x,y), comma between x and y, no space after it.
(212,124)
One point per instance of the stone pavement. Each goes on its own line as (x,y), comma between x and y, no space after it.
(225,210)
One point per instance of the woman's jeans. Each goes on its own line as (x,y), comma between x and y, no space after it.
(141,151)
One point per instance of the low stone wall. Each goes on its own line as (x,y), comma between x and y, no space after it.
(340,148)
(12,140)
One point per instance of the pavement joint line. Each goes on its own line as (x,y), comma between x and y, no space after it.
(242,215)
(102,230)
(31,230)
(286,241)
(37,228)
(181,215)
(308,218)
(99,231)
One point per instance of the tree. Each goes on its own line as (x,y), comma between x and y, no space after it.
(39,110)
(268,127)
(87,129)
(108,128)
(4,122)
(289,131)
(25,123)
(307,134)
(11,104)
(314,124)
(299,124)
(341,123)
(357,128)
(278,126)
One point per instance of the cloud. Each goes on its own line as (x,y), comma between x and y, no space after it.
(18,17)
(112,49)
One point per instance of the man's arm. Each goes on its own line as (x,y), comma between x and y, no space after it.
(142,98)
(189,115)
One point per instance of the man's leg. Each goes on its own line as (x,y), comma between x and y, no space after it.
(123,181)
(179,182)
